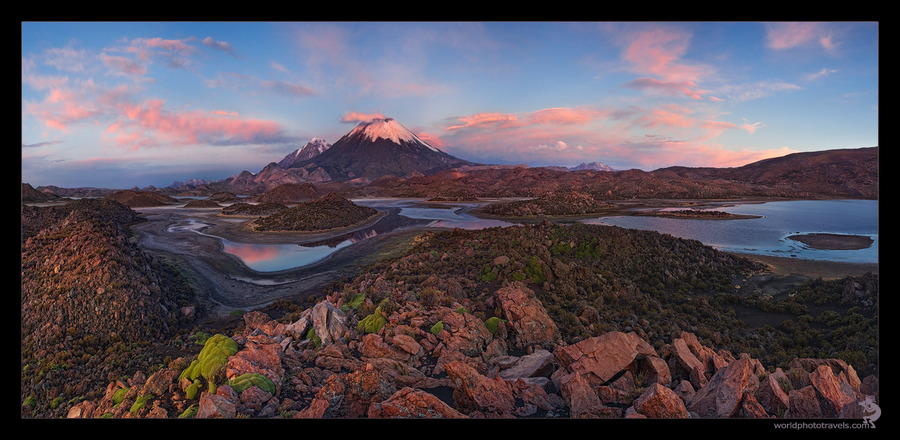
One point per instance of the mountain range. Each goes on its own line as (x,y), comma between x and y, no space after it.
(383,158)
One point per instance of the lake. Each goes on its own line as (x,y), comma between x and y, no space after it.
(768,235)
(402,213)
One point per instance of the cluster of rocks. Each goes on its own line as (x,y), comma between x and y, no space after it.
(444,362)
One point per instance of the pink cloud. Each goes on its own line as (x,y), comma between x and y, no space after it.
(355,117)
(686,88)
(658,52)
(159,126)
(124,65)
(785,35)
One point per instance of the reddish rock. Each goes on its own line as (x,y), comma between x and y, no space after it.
(803,404)
(214,406)
(685,390)
(578,395)
(721,397)
(410,403)
(162,382)
(751,408)
(467,334)
(475,392)
(660,402)
(600,358)
(771,396)
(683,361)
(655,370)
(526,317)
(834,394)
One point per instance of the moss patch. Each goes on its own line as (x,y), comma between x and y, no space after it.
(372,323)
(248,380)
(212,357)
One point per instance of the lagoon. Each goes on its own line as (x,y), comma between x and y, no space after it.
(768,235)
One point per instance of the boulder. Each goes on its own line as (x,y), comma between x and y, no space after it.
(411,403)
(538,363)
(214,406)
(473,392)
(526,317)
(803,404)
(580,397)
(833,393)
(655,370)
(771,395)
(751,408)
(601,358)
(660,402)
(721,397)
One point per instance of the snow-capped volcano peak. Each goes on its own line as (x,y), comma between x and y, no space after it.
(389,129)
(313,148)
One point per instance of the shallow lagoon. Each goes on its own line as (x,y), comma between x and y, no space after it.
(403,213)
(768,234)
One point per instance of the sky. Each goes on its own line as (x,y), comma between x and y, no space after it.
(125,104)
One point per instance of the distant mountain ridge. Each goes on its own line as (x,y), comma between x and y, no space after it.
(313,148)
(595,166)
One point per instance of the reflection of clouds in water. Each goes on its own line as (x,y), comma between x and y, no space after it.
(252,253)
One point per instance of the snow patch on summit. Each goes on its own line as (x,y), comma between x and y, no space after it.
(389,129)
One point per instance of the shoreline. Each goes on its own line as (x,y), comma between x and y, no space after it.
(225,281)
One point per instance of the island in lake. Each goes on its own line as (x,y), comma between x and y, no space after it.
(834,241)
(696,214)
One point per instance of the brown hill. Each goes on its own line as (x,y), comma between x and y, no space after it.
(137,198)
(289,193)
(31,195)
(851,173)
(90,299)
(327,212)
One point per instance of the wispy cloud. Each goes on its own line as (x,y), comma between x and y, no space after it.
(790,35)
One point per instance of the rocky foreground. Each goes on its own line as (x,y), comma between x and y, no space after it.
(421,361)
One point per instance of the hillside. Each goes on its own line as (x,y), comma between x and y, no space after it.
(327,212)
(541,321)
(92,301)
(136,199)
(570,203)
(851,173)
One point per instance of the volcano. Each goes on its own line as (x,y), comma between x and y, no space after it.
(382,147)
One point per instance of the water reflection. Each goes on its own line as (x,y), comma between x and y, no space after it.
(768,234)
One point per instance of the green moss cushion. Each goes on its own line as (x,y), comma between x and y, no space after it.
(248,380)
